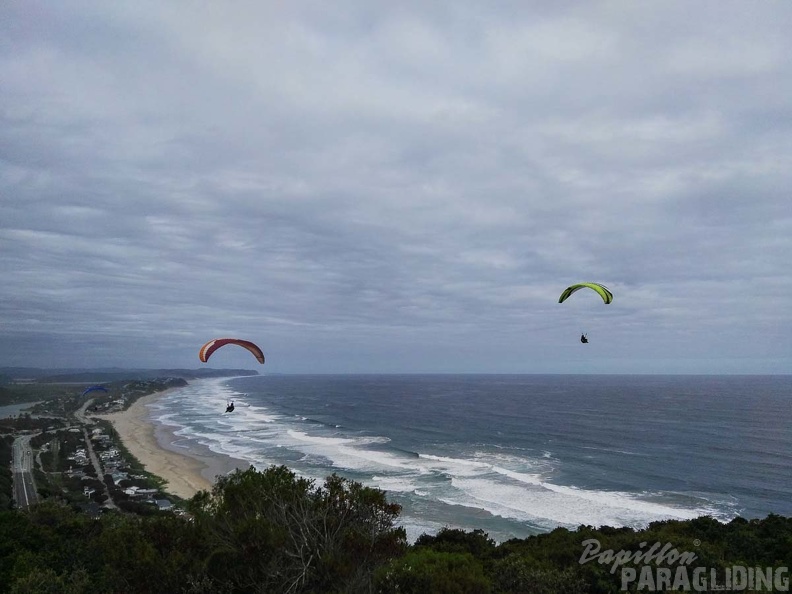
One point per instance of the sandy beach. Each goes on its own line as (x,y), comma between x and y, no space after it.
(186,471)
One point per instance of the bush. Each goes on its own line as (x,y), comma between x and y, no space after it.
(516,574)
(425,570)
(272,531)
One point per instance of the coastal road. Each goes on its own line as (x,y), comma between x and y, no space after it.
(98,468)
(85,421)
(25,493)
(80,414)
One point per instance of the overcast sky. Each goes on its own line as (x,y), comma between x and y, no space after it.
(364,186)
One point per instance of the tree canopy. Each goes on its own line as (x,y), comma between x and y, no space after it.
(273,531)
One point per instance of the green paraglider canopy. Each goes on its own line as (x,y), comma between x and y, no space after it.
(601,290)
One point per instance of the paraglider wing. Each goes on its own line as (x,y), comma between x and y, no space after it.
(94,389)
(602,290)
(211,346)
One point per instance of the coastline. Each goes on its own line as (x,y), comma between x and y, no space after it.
(185,470)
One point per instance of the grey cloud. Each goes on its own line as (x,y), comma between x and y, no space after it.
(402,188)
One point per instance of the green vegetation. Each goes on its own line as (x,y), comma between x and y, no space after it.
(19,393)
(256,531)
(6,484)
(271,531)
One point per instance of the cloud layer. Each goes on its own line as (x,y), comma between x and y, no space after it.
(363,187)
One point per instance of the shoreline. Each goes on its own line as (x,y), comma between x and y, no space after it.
(185,470)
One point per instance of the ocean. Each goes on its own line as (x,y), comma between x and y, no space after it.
(513,455)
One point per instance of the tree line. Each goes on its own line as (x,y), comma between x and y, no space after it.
(272,531)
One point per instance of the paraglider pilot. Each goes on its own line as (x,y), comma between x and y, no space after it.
(583,339)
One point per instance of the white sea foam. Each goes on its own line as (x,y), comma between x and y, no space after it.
(255,415)
(375,458)
(529,496)
(318,440)
(530,479)
(452,466)
(404,484)
(547,507)
(349,453)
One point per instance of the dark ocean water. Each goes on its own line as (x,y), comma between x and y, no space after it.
(514,455)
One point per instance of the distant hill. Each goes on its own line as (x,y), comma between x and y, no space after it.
(113,374)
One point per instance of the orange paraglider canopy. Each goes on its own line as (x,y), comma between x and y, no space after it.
(211,346)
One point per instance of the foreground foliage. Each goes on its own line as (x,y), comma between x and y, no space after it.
(6,484)
(272,531)
(256,531)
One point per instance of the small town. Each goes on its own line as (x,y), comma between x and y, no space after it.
(63,448)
